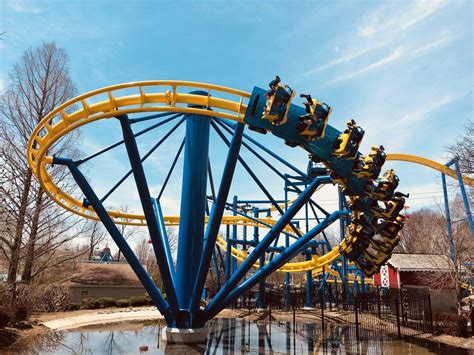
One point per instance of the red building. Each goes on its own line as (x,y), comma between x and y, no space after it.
(426,271)
(414,270)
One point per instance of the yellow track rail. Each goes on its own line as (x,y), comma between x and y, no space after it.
(430,164)
(140,97)
(136,97)
(156,96)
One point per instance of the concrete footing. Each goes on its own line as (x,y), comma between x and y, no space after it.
(184,336)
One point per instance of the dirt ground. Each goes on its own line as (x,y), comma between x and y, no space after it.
(68,320)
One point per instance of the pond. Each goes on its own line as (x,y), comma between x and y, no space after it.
(229,336)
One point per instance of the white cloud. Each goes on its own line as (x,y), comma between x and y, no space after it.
(422,113)
(2,85)
(381,29)
(343,59)
(422,10)
(23,7)
(396,54)
(381,20)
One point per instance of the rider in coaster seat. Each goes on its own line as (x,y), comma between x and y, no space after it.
(393,207)
(347,144)
(386,186)
(366,266)
(278,102)
(392,228)
(313,124)
(370,165)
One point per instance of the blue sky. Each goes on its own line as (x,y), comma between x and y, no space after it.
(402,69)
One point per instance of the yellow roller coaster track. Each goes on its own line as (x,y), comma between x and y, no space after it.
(138,97)
(430,164)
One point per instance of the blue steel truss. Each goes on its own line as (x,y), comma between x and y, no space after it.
(185,282)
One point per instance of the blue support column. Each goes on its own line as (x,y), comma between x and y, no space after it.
(260,301)
(448,217)
(193,208)
(287,305)
(163,234)
(234,234)
(217,212)
(464,197)
(342,231)
(228,255)
(114,232)
(146,202)
(265,243)
(309,285)
(277,262)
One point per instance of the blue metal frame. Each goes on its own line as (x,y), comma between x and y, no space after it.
(193,204)
(152,222)
(265,243)
(155,294)
(217,212)
(184,285)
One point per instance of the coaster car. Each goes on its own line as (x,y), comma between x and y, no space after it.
(347,144)
(278,103)
(392,208)
(313,125)
(370,166)
(316,169)
(367,267)
(384,245)
(390,229)
(386,186)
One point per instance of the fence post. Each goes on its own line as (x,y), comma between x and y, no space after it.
(356,308)
(431,313)
(294,314)
(322,309)
(397,303)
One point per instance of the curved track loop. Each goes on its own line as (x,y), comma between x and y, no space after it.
(139,98)
(164,96)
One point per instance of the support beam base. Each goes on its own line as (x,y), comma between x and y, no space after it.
(184,336)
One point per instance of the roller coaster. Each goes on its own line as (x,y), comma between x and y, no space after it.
(370,210)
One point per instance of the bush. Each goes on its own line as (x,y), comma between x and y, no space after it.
(137,301)
(21,313)
(6,316)
(72,307)
(123,303)
(451,324)
(44,298)
(106,302)
(90,303)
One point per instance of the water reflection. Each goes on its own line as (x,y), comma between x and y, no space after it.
(229,336)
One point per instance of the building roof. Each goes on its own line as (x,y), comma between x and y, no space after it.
(420,262)
(90,273)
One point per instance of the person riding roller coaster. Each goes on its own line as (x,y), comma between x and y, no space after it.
(370,165)
(347,144)
(278,102)
(392,207)
(385,186)
(313,124)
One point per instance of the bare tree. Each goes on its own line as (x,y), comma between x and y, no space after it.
(426,232)
(464,149)
(38,83)
(95,234)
